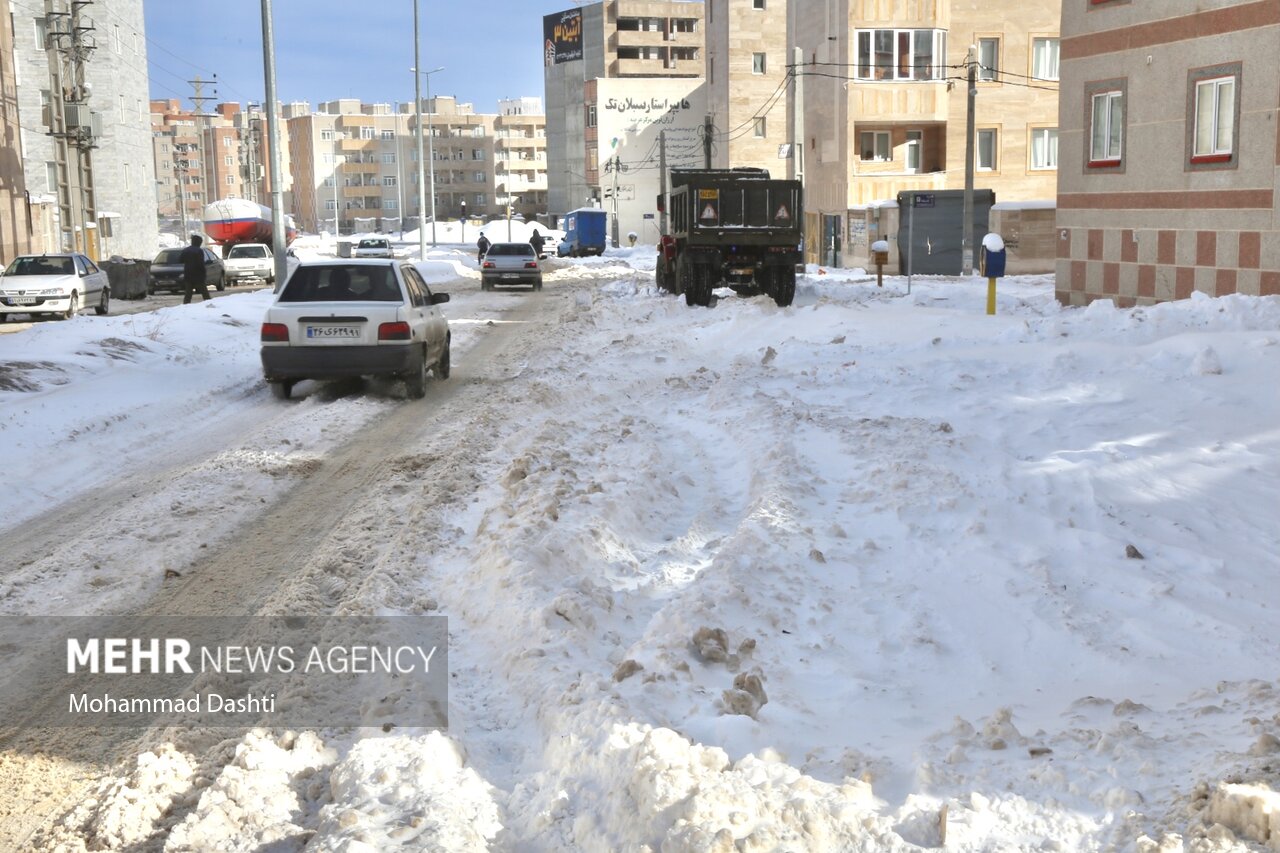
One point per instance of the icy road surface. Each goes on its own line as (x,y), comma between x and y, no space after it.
(874,572)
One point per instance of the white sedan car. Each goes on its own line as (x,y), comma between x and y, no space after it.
(53,285)
(374,247)
(355,318)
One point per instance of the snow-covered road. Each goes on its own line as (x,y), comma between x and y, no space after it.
(869,573)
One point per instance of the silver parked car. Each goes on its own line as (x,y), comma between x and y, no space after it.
(166,271)
(510,263)
(355,318)
(53,285)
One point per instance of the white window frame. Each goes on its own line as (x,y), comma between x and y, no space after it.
(994,163)
(988,65)
(1222,119)
(865,67)
(759,63)
(875,148)
(914,151)
(326,135)
(1112,138)
(388,180)
(229,160)
(1049,148)
(231,180)
(1044,62)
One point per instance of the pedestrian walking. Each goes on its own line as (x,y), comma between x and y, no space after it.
(483,246)
(537,241)
(193,270)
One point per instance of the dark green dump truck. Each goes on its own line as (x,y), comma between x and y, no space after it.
(737,227)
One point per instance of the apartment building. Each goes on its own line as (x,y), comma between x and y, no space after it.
(657,41)
(357,164)
(1170,150)
(883,104)
(749,89)
(112,210)
(520,156)
(15,214)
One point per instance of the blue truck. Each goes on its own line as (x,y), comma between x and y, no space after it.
(584,232)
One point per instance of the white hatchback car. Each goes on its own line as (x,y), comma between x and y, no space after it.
(56,285)
(355,318)
(373,247)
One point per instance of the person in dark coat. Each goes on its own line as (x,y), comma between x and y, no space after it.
(537,241)
(483,246)
(193,270)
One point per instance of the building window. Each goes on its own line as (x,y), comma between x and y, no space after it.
(115,38)
(591,115)
(915,141)
(228,160)
(757,4)
(901,55)
(988,59)
(758,129)
(126,177)
(388,180)
(326,135)
(481,199)
(330,204)
(1044,58)
(875,145)
(478,130)
(231,180)
(757,63)
(51,176)
(477,153)
(366,132)
(390,204)
(1106,131)
(42,33)
(479,177)
(1214,135)
(388,134)
(389,158)
(987,145)
(122,113)
(1044,148)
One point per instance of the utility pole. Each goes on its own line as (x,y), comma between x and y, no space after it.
(708,129)
(662,181)
(279,239)
(617,167)
(207,178)
(966,239)
(71,123)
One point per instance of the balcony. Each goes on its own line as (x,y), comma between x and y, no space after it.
(357,144)
(868,188)
(899,102)
(362,192)
(350,168)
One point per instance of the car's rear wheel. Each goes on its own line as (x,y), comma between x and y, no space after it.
(72,307)
(222,282)
(537,285)
(442,366)
(281,389)
(104,303)
(415,384)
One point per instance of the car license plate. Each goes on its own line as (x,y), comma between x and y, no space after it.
(333,333)
(23,300)
(510,275)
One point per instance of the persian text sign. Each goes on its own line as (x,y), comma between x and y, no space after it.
(562,37)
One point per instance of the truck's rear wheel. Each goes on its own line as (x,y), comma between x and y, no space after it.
(784,286)
(699,287)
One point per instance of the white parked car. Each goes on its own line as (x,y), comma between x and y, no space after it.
(53,285)
(250,261)
(373,247)
(355,318)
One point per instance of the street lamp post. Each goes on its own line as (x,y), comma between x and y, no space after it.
(417,105)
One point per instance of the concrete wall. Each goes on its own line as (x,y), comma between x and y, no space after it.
(1157,224)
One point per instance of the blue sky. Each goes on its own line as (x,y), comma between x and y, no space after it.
(328,49)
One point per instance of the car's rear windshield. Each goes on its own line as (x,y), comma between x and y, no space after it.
(40,266)
(338,283)
(510,249)
(169,256)
(372,244)
(247,252)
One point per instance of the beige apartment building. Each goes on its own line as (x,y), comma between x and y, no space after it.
(883,106)
(1170,176)
(749,90)
(15,215)
(358,163)
(634,40)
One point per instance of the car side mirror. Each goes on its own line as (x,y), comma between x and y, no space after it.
(439,298)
